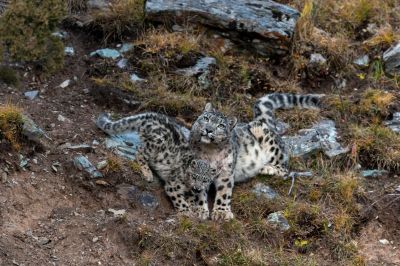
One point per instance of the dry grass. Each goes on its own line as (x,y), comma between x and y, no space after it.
(383,38)
(11,124)
(124,16)
(299,118)
(114,164)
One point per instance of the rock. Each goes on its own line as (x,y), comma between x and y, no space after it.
(4,176)
(126,47)
(265,191)
(201,66)
(123,63)
(362,61)
(136,78)
(70,51)
(117,213)
(281,127)
(384,241)
(177,28)
(101,165)
(106,53)
(394,124)
(148,200)
(317,59)
(266,25)
(78,148)
(124,145)
(278,220)
(31,94)
(391,58)
(95,239)
(98,4)
(321,136)
(204,80)
(23,162)
(43,240)
(83,164)
(61,118)
(60,34)
(33,133)
(65,84)
(397,189)
(374,173)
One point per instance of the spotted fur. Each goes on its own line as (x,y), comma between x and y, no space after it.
(165,151)
(243,150)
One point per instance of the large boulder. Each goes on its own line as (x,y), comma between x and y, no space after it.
(266,25)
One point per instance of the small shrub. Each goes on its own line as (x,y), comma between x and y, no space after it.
(8,76)
(11,125)
(26,28)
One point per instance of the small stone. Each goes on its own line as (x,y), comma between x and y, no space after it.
(201,66)
(362,61)
(70,51)
(136,78)
(106,53)
(83,164)
(95,143)
(23,162)
(102,183)
(148,200)
(60,34)
(3,177)
(61,118)
(101,165)
(117,213)
(391,58)
(277,219)
(79,148)
(95,239)
(397,189)
(374,173)
(317,59)
(123,63)
(265,191)
(43,240)
(384,241)
(31,94)
(177,28)
(126,47)
(35,161)
(65,84)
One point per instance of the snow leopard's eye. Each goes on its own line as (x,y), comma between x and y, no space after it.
(205,118)
(221,126)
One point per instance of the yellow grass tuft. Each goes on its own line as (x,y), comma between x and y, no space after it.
(11,122)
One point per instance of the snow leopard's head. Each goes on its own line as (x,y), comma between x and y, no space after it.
(200,175)
(212,127)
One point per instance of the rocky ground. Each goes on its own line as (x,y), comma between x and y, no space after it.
(54,213)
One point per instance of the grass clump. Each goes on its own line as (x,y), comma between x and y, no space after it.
(377,146)
(9,76)
(124,16)
(114,164)
(25,31)
(11,123)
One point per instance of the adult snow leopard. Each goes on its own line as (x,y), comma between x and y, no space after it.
(243,150)
(166,151)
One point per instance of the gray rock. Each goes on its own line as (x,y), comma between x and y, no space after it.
(78,148)
(34,133)
(4,176)
(98,4)
(126,47)
(106,53)
(65,84)
(277,219)
(374,173)
(394,124)
(148,200)
(391,58)
(124,145)
(136,78)
(122,63)
(70,51)
(43,240)
(60,34)
(262,190)
(362,61)
(201,66)
(317,59)
(322,136)
(31,94)
(83,164)
(117,213)
(266,25)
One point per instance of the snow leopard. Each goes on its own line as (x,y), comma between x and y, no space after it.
(166,152)
(243,150)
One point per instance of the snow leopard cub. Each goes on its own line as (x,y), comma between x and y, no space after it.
(165,151)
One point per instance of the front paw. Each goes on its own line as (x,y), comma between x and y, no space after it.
(202,214)
(221,215)
(186,213)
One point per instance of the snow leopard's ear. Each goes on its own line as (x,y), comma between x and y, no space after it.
(208,108)
(232,122)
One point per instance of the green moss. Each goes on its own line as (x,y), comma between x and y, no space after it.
(25,31)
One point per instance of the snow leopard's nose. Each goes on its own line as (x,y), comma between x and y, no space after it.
(196,190)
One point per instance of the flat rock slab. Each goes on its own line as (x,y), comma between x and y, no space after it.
(394,124)
(268,26)
(391,58)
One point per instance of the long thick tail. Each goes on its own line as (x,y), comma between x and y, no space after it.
(138,122)
(265,106)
